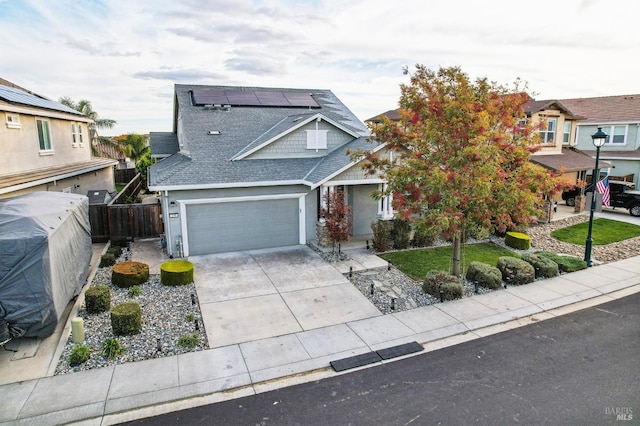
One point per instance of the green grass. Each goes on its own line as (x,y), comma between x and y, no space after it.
(605,231)
(416,263)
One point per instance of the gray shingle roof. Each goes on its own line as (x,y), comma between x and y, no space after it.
(205,159)
(163,144)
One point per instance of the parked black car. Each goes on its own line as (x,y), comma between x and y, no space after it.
(622,194)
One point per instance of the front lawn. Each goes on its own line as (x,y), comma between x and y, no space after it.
(416,263)
(605,231)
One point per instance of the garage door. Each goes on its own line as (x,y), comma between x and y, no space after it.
(234,226)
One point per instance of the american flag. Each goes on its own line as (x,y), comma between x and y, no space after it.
(603,188)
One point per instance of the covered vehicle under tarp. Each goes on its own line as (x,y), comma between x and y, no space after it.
(45,252)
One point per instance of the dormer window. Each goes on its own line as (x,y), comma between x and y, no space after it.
(317,139)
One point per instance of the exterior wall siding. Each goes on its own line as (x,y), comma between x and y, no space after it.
(294,144)
(23,145)
(365,208)
(585,142)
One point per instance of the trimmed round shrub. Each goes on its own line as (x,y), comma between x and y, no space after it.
(107,259)
(128,274)
(485,275)
(126,319)
(97,299)
(543,266)
(115,250)
(515,271)
(435,281)
(176,272)
(565,263)
(518,240)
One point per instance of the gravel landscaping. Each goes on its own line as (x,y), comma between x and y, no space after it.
(168,313)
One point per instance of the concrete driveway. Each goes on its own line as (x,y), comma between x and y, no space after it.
(257,294)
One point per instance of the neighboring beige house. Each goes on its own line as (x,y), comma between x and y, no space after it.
(46,147)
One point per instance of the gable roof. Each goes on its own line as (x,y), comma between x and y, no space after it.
(211,137)
(623,108)
(534,106)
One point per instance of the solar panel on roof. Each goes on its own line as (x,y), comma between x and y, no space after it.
(253,98)
(12,94)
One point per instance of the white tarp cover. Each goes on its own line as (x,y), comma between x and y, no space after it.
(45,251)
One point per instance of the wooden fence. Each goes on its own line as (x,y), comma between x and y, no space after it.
(128,221)
(125,175)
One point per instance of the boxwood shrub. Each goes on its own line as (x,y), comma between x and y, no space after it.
(97,299)
(485,275)
(126,319)
(543,266)
(441,280)
(515,271)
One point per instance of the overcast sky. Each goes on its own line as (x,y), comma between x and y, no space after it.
(126,55)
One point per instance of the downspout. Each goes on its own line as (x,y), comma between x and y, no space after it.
(167,225)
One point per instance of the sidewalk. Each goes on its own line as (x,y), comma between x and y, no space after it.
(129,391)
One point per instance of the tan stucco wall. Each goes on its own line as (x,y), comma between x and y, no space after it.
(23,148)
(559,132)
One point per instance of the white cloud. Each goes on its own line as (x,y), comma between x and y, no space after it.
(126,56)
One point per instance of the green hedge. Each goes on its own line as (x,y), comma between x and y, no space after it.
(565,263)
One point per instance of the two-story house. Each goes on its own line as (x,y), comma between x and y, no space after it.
(558,151)
(619,117)
(46,147)
(248,167)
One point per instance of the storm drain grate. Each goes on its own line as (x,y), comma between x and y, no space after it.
(372,357)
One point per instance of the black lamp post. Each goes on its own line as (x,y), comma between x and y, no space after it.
(599,138)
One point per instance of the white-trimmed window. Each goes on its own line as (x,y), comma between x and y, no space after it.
(566,136)
(44,134)
(12,121)
(317,139)
(74,135)
(617,134)
(548,132)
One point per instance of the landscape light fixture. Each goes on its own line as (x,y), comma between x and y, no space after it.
(599,138)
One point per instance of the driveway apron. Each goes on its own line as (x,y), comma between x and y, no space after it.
(257,294)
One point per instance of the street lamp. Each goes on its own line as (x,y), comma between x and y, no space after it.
(599,138)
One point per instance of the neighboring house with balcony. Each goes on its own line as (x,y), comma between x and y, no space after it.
(46,147)
(247,168)
(619,117)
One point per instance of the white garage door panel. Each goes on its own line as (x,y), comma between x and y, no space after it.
(234,226)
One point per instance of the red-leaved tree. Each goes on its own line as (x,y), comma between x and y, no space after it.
(458,159)
(337,215)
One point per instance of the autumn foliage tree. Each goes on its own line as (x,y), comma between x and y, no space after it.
(337,216)
(458,158)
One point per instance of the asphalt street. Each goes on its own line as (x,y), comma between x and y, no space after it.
(578,369)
